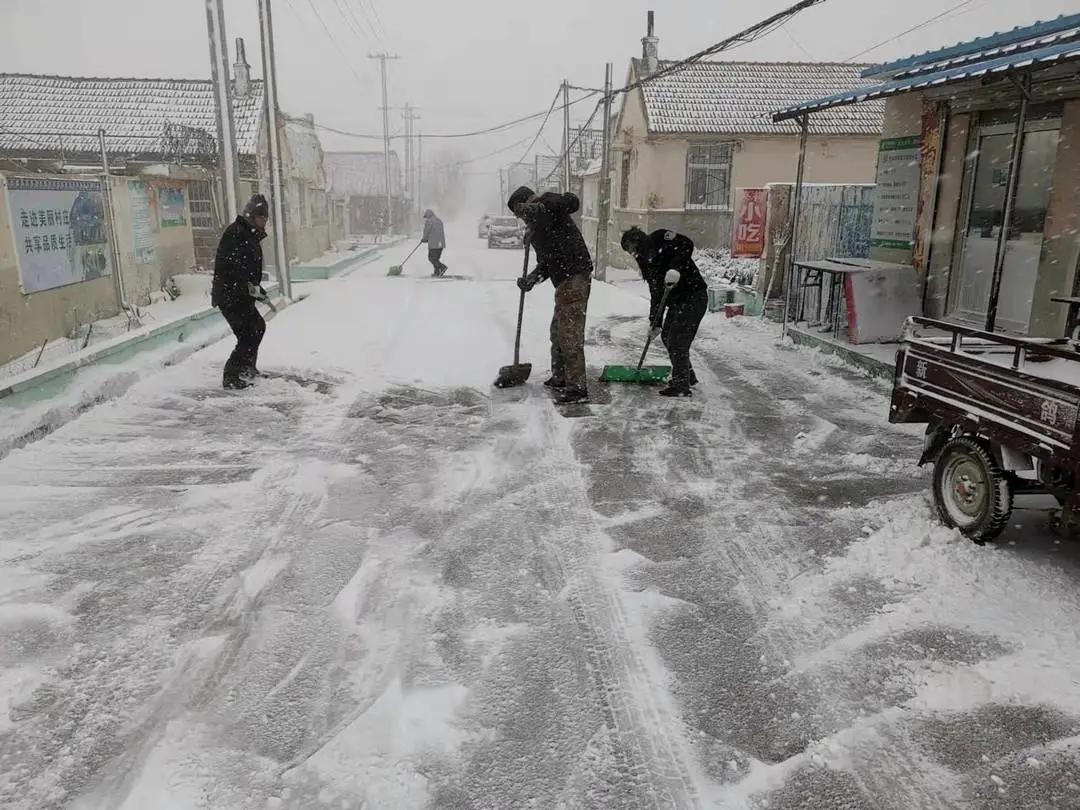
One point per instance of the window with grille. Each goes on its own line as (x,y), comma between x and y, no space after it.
(708,175)
(202,205)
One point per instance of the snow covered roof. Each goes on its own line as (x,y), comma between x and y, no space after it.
(151,117)
(738,98)
(1022,38)
(998,60)
(361,174)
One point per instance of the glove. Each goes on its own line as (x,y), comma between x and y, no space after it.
(654,331)
(672,277)
(257,292)
(526,283)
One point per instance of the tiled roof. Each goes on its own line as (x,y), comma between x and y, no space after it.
(738,98)
(361,174)
(140,116)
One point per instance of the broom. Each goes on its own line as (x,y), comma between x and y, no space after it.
(641,373)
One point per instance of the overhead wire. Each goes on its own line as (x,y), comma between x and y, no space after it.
(551,109)
(352,21)
(925,23)
(329,36)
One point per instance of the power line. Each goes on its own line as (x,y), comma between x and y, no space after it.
(352,21)
(378,17)
(551,109)
(796,43)
(744,37)
(488,131)
(506,148)
(329,36)
(912,30)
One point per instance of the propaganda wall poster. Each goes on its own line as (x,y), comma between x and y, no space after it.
(60,231)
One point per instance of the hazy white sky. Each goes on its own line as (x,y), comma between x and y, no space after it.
(466,63)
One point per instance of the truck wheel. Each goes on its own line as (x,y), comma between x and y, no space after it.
(971,491)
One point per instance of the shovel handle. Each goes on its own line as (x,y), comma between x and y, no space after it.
(521,309)
(648,340)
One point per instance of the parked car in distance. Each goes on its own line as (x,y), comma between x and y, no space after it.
(484,226)
(506,232)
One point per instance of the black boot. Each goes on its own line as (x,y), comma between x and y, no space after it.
(677,389)
(693,378)
(250,373)
(555,382)
(571,395)
(235,384)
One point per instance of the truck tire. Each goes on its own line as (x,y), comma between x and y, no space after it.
(971,491)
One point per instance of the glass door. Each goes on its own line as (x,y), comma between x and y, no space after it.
(984,230)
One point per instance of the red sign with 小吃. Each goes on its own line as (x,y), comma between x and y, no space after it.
(748,231)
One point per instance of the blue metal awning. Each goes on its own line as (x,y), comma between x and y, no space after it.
(1000,66)
(1027,38)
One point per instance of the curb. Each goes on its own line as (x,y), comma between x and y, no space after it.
(875,367)
(302,273)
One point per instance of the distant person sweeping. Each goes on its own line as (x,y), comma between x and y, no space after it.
(667,258)
(435,238)
(238,269)
(562,256)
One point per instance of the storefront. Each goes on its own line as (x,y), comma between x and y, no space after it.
(993,126)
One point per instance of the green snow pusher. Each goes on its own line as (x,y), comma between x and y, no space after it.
(641,374)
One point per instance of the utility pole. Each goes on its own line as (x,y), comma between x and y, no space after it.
(272,115)
(412,155)
(419,175)
(605,184)
(223,108)
(566,135)
(407,192)
(382,57)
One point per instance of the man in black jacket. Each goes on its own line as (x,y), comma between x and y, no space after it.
(667,258)
(238,269)
(562,256)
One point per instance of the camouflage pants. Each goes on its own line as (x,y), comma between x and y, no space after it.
(568,330)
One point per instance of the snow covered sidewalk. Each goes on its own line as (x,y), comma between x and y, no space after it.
(385,585)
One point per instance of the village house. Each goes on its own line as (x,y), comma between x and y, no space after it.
(160,214)
(357,182)
(980,184)
(685,141)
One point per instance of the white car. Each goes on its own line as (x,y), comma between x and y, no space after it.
(506,232)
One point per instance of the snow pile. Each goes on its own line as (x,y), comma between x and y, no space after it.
(718,266)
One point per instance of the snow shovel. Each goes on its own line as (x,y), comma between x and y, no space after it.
(395,269)
(644,374)
(518,373)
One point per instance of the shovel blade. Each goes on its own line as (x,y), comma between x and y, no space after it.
(395,270)
(513,375)
(646,375)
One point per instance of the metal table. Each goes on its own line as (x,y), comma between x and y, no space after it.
(837,270)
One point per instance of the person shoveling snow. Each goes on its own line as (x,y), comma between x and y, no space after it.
(562,256)
(238,268)
(667,266)
(435,238)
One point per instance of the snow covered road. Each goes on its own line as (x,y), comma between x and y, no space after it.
(392,588)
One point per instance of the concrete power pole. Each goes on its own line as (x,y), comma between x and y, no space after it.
(382,57)
(408,193)
(605,184)
(272,116)
(226,127)
(419,175)
(566,135)
(412,155)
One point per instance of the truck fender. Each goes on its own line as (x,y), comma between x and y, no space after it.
(937,435)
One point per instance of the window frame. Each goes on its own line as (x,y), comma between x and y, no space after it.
(708,165)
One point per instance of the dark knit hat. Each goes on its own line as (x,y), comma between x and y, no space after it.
(257,206)
(523,194)
(631,237)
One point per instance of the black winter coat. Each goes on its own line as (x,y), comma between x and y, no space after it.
(665,250)
(239,262)
(553,234)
